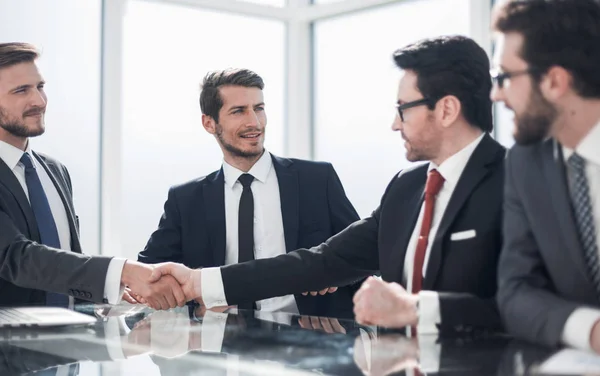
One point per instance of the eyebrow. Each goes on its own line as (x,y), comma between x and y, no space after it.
(243,107)
(21,87)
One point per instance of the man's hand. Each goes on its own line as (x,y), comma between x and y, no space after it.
(385,304)
(132,298)
(188,279)
(163,294)
(330,290)
(595,337)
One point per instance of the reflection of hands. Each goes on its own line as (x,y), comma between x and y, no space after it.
(385,304)
(189,279)
(385,355)
(326,324)
(161,294)
(201,310)
(330,290)
(168,334)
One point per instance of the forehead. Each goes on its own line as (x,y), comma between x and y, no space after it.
(407,85)
(507,51)
(20,74)
(240,95)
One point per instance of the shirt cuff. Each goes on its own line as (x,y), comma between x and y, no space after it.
(213,331)
(113,289)
(578,328)
(429,312)
(213,291)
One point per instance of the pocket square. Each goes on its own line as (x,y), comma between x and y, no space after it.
(463,235)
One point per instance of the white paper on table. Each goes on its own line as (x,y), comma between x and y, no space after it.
(570,361)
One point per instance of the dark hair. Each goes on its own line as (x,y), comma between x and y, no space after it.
(210,98)
(562,33)
(452,65)
(15,53)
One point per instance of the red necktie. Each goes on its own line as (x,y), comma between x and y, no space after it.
(435,181)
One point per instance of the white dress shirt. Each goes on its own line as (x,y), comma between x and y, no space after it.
(451,170)
(269,238)
(578,327)
(12,156)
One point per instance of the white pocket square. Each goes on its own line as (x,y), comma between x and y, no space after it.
(463,235)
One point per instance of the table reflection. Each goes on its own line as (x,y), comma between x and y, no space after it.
(134,340)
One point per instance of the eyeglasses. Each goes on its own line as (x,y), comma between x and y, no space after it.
(499,77)
(406,106)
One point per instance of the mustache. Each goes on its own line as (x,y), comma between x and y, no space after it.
(34,111)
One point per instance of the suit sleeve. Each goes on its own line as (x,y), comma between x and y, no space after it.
(165,243)
(31,265)
(463,313)
(340,209)
(344,258)
(529,310)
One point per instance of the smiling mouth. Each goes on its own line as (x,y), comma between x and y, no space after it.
(251,136)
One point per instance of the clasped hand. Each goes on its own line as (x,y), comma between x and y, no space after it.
(160,286)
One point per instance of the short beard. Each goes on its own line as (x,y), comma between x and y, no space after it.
(17,128)
(234,150)
(534,126)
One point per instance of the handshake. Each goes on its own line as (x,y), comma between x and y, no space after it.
(160,286)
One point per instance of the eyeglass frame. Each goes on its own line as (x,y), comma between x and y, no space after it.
(419,102)
(498,76)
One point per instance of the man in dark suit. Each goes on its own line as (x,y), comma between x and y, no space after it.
(548,59)
(436,235)
(221,219)
(37,217)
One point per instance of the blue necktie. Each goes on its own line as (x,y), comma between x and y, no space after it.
(45,220)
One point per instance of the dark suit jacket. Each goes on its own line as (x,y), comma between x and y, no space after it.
(463,272)
(26,266)
(314,207)
(543,276)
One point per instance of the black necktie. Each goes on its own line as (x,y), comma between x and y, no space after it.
(246,226)
(45,221)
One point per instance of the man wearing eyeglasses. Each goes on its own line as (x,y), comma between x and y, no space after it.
(549,57)
(435,238)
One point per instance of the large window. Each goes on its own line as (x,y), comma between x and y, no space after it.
(67,32)
(355,89)
(167,50)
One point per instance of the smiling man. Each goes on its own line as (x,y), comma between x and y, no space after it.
(548,57)
(436,236)
(257,205)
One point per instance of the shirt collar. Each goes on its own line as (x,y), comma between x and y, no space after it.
(12,155)
(452,168)
(588,147)
(260,170)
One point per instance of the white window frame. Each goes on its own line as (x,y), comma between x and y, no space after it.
(299,17)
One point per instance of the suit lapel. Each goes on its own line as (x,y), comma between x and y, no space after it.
(556,180)
(488,151)
(287,178)
(59,184)
(214,201)
(8,179)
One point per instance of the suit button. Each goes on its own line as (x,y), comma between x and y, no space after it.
(70,291)
(76,292)
(88,295)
